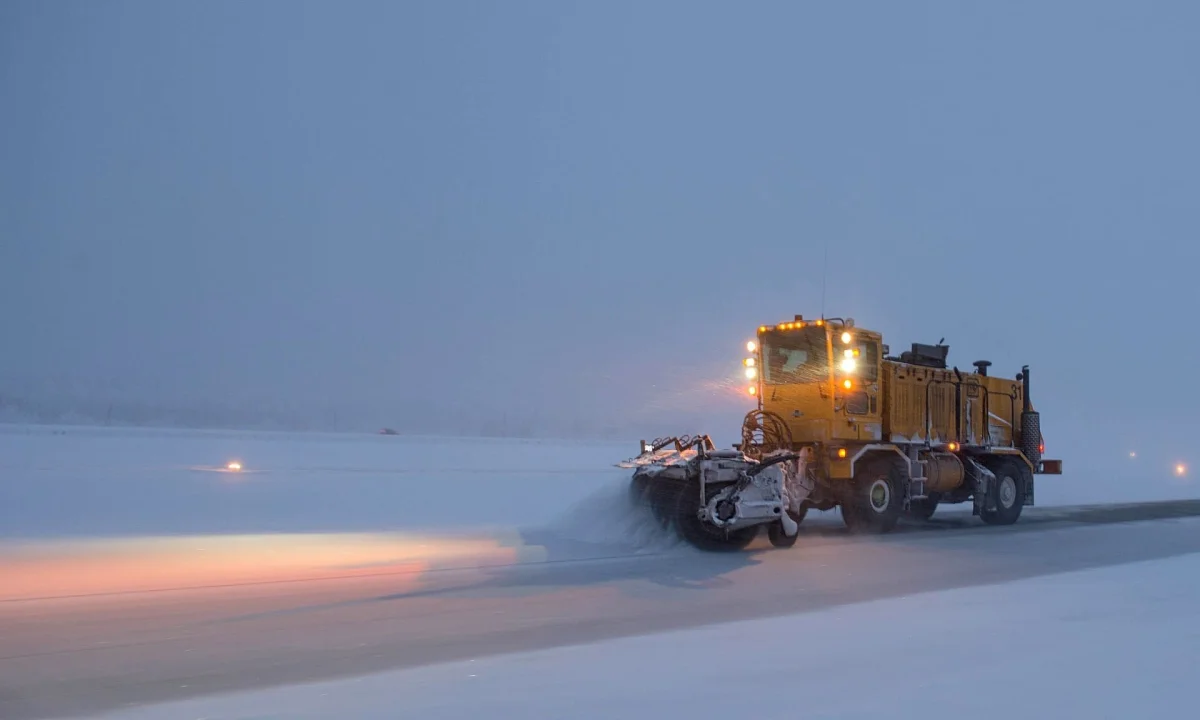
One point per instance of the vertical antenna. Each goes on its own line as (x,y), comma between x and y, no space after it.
(824,278)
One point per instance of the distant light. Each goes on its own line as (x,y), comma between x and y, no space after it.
(751,346)
(1181,469)
(233,466)
(1132,454)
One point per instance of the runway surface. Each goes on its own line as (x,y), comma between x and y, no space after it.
(89,626)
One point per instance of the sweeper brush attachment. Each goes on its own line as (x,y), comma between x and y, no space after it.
(720,499)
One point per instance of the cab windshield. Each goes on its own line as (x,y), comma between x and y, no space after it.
(795,356)
(800,356)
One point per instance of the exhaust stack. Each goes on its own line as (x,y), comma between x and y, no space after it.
(1031,425)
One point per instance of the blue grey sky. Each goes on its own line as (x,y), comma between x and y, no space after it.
(573,214)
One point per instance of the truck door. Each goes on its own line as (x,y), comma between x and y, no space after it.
(863,403)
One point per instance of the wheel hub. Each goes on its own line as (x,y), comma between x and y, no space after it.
(726,509)
(1008,492)
(880,495)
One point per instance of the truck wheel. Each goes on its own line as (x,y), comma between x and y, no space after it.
(778,537)
(703,535)
(923,509)
(1012,477)
(876,497)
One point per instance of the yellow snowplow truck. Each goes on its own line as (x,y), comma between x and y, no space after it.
(840,422)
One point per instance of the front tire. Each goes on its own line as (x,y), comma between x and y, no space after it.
(1012,478)
(776,534)
(779,538)
(703,535)
(876,498)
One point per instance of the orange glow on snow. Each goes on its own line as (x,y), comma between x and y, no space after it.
(72,568)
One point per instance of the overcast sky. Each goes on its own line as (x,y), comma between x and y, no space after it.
(563,210)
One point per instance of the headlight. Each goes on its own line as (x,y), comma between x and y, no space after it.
(751,373)
(848,364)
(846,338)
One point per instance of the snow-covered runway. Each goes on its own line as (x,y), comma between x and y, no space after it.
(132,577)
(1115,642)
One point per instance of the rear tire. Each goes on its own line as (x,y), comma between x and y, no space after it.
(703,535)
(924,508)
(1012,478)
(876,497)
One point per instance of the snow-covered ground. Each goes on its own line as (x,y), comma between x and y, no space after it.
(81,481)
(95,510)
(1118,642)
(86,482)
(95,503)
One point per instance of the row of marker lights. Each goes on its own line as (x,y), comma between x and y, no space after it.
(789,325)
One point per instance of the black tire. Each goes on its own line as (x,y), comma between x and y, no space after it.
(778,537)
(701,534)
(1012,479)
(876,498)
(924,508)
